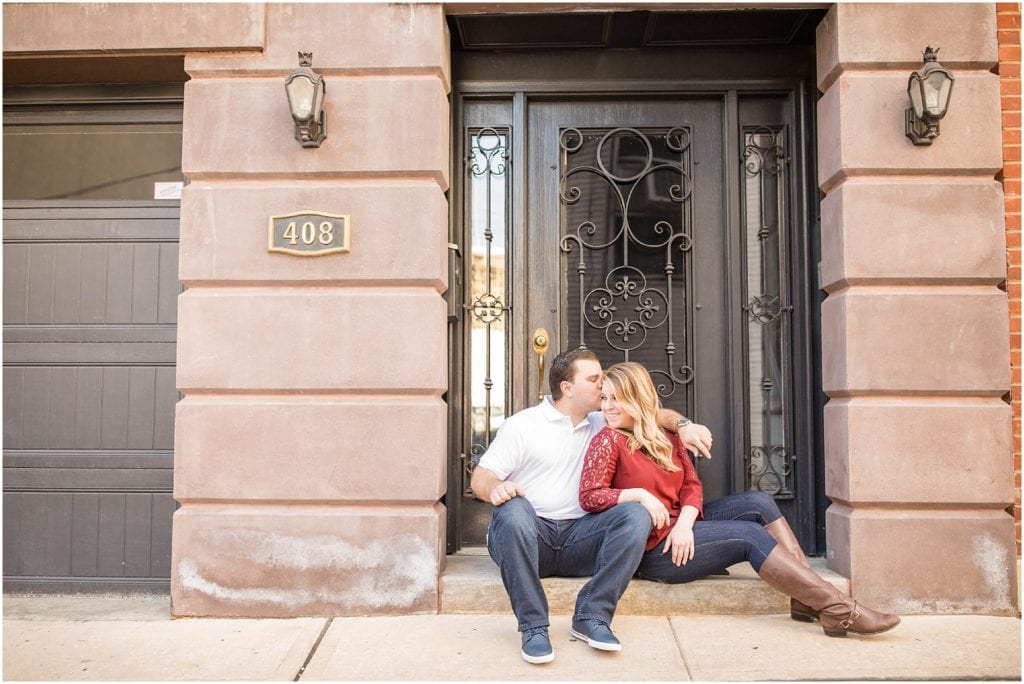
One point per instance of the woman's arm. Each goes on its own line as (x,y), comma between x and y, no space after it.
(596,493)
(656,509)
(691,490)
(680,539)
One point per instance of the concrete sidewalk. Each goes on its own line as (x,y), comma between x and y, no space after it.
(134,638)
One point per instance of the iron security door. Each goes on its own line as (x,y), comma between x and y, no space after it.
(643,183)
(627,225)
(667,229)
(621,249)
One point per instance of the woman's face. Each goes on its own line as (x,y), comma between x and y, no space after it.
(614,415)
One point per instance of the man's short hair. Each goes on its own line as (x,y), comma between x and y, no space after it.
(563,367)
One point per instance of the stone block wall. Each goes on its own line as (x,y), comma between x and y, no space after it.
(90,28)
(915,328)
(310,442)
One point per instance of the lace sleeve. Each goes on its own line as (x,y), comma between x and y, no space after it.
(598,469)
(691,490)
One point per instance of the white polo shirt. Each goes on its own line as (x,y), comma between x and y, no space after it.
(542,451)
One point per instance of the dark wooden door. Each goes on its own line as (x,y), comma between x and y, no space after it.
(620,247)
(626,244)
(653,196)
(673,226)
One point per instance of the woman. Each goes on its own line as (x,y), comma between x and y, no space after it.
(634,460)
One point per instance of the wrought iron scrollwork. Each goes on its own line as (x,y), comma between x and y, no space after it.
(626,197)
(487,308)
(771,470)
(468,465)
(765,308)
(762,152)
(644,308)
(486,164)
(769,461)
(488,154)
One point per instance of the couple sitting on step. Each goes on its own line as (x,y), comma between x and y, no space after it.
(612,493)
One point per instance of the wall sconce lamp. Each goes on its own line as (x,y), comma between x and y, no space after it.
(929,88)
(305,90)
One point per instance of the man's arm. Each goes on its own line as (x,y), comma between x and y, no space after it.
(667,418)
(695,437)
(489,487)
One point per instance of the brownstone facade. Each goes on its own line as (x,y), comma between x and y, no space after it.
(310,444)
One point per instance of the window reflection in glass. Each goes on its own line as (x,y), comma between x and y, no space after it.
(118,161)
(767,321)
(487,197)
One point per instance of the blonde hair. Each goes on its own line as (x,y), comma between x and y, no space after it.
(637,397)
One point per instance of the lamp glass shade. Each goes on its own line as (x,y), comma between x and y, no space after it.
(929,90)
(916,93)
(305,96)
(936,87)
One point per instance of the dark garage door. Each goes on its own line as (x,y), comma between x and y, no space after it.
(90,300)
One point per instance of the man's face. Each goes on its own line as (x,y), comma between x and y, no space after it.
(585,389)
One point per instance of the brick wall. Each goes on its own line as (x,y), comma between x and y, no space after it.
(1008,24)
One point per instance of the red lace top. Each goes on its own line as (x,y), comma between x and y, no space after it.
(610,467)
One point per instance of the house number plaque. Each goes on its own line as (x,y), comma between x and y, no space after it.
(309,233)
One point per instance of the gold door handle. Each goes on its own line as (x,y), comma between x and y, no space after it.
(540,347)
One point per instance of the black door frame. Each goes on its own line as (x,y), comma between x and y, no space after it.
(478,77)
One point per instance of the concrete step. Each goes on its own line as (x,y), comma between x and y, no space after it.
(471,584)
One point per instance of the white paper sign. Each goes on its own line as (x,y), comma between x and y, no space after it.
(167,191)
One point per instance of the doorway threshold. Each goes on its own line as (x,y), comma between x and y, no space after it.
(471,551)
(471,584)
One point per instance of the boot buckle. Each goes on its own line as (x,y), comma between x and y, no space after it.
(851,618)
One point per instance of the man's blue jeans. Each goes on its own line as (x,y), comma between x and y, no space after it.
(607,545)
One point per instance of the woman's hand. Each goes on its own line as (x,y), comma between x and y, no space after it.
(659,514)
(680,542)
(657,510)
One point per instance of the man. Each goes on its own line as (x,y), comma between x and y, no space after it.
(531,475)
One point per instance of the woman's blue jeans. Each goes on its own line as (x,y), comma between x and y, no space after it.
(606,546)
(732,531)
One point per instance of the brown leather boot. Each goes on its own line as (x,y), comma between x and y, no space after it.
(783,534)
(838,613)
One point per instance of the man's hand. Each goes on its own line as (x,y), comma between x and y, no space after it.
(489,487)
(504,491)
(697,439)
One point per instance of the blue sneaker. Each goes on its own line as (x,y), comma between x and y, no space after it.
(596,633)
(537,646)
